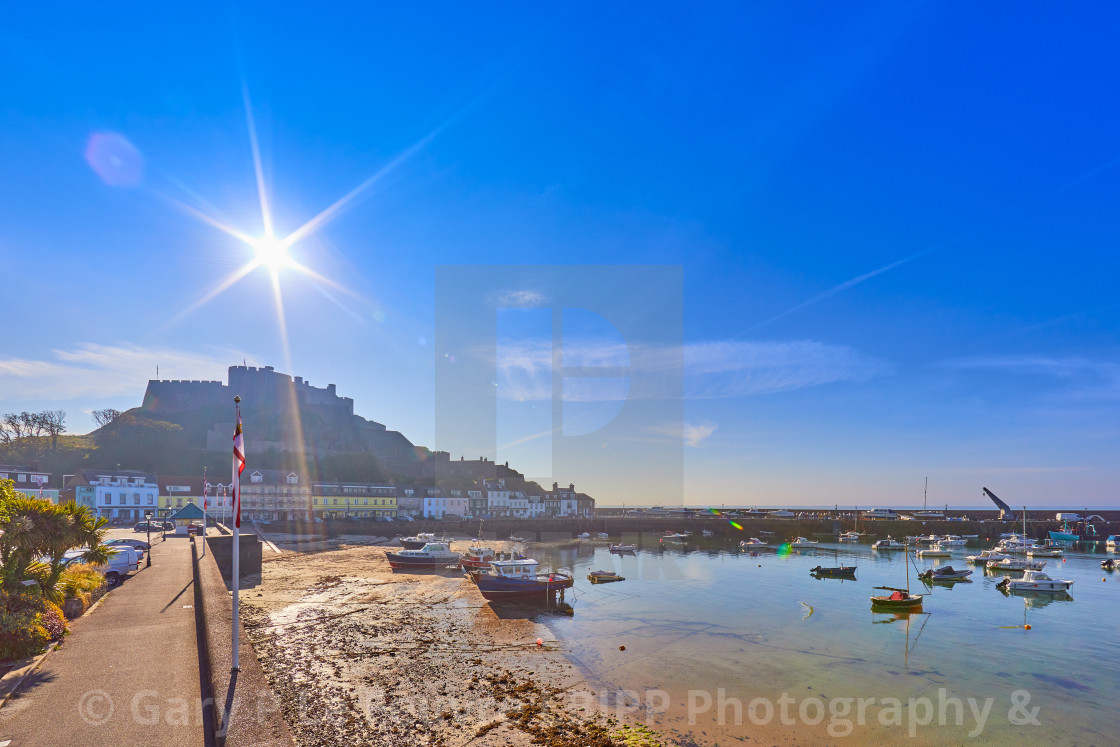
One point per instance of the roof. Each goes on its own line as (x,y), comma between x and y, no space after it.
(189,511)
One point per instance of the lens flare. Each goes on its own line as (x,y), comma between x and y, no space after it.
(115,160)
(736,525)
(271,253)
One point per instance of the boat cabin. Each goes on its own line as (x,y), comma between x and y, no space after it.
(515,568)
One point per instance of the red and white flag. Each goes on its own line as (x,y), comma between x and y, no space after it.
(238,467)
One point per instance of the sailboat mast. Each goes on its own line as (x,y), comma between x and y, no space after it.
(925,495)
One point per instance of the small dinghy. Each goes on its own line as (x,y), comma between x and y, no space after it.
(842,570)
(603,577)
(624,548)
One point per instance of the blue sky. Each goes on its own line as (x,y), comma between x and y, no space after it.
(895,223)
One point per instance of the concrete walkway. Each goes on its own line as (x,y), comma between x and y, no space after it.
(128,673)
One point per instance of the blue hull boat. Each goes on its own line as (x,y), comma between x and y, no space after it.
(518,579)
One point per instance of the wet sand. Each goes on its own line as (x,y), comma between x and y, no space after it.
(360,654)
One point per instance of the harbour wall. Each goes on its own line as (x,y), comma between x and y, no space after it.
(552,529)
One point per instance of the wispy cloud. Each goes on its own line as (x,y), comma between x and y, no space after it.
(691,434)
(1085,378)
(705,370)
(519,299)
(95,371)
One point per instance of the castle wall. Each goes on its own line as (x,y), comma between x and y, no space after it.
(174,395)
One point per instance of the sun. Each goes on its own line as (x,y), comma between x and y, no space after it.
(271,252)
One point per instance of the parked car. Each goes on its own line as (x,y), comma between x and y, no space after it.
(405,518)
(137,543)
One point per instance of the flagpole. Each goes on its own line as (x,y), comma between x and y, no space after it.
(238,465)
(205,496)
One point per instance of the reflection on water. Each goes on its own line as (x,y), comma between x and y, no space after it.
(702,615)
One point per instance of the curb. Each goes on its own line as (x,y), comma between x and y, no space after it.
(13,680)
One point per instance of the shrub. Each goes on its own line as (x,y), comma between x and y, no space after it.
(21,634)
(53,621)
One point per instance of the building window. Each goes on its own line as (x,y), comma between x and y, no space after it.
(151,499)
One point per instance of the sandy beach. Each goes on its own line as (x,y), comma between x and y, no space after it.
(360,654)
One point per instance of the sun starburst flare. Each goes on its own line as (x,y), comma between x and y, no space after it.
(272,253)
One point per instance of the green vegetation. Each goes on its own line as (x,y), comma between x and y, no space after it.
(35,534)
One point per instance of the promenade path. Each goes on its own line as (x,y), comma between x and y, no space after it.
(127,674)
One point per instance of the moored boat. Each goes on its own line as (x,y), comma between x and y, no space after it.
(801,543)
(519,579)
(603,577)
(754,543)
(887,544)
(1034,581)
(987,555)
(1063,534)
(1051,549)
(623,548)
(945,573)
(477,557)
(935,551)
(418,541)
(431,555)
(899,600)
(1014,564)
(842,570)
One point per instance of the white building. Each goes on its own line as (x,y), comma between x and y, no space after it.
(123,495)
(439,506)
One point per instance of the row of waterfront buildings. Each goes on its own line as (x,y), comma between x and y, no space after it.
(281,495)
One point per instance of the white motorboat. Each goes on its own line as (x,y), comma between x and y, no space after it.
(936,551)
(1049,550)
(623,548)
(880,513)
(1113,542)
(887,544)
(675,536)
(987,555)
(850,537)
(583,536)
(1015,564)
(803,544)
(952,540)
(1034,581)
(754,543)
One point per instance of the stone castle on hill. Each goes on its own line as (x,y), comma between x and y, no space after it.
(288,415)
(282,414)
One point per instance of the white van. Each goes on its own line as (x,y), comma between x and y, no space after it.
(123,561)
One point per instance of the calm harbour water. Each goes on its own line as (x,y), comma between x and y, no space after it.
(703,616)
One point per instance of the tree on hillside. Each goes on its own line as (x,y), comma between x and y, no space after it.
(54,425)
(105,416)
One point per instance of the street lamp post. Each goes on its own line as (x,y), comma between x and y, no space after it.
(148,524)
